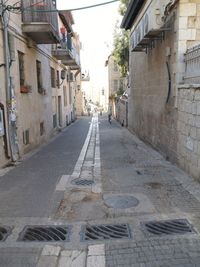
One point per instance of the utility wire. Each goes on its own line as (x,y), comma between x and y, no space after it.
(72,9)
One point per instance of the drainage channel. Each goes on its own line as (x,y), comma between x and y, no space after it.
(105,232)
(4,232)
(82,182)
(45,233)
(62,233)
(168,227)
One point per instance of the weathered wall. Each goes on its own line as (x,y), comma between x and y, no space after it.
(188,145)
(32,108)
(150,116)
(3,159)
(122,112)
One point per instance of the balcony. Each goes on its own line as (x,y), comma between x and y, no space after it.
(40,26)
(67,54)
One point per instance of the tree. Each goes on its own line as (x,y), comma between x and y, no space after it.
(121,42)
(123,6)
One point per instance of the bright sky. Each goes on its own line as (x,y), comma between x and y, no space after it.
(95,27)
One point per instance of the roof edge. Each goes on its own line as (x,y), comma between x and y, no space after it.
(131,13)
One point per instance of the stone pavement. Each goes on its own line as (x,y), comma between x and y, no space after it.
(118,165)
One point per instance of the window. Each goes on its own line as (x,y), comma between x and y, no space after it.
(54,121)
(21,68)
(115,67)
(53,78)
(70,95)
(65,95)
(39,76)
(1,123)
(41,128)
(115,85)
(58,78)
(26,140)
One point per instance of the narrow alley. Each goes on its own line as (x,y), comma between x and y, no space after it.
(96,195)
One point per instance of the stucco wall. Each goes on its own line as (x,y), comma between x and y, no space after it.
(188,145)
(32,108)
(3,158)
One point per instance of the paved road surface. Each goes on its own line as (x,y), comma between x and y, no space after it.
(127,184)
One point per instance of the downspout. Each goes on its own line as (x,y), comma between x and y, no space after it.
(169,82)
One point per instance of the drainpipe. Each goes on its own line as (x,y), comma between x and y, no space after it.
(9,91)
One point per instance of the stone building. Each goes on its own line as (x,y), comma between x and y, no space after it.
(38,70)
(161,33)
(117,85)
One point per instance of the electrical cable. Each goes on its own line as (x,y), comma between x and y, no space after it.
(72,9)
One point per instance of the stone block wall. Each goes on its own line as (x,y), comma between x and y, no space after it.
(188,146)
(122,112)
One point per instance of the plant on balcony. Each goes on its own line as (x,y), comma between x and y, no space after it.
(24,89)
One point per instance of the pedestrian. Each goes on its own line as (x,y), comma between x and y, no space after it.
(109,118)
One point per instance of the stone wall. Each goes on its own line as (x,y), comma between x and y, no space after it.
(121,108)
(188,146)
(150,117)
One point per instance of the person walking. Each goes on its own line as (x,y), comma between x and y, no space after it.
(109,118)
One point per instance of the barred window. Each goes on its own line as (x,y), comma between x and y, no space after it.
(65,95)
(53,78)
(39,75)
(21,68)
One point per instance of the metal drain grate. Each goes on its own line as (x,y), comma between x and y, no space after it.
(169,227)
(45,233)
(82,182)
(105,231)
(4,232)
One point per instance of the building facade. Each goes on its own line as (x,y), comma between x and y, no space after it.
(117,85)
(161,32)
(37,90)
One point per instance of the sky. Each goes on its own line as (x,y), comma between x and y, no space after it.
(95,27)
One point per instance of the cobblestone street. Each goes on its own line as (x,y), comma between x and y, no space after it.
(117,186)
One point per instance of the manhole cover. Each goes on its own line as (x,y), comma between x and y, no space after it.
(121,202)
(105,231)
(169,227)
(82,182)
(45,233)
(4,232)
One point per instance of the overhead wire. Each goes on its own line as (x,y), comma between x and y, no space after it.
(72,9)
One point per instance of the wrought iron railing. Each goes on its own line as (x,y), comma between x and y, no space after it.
(39,11)
(192,63)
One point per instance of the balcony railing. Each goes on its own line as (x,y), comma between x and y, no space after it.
(67,53)
(192,62)
(40,25)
